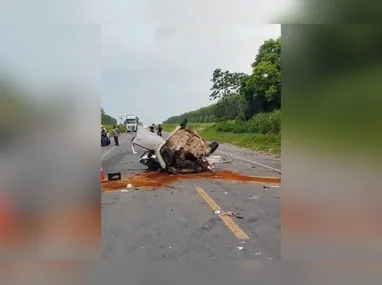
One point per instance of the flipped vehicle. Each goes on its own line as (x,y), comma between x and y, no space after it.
(184,151)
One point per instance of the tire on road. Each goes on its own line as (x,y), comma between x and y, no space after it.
(214,146)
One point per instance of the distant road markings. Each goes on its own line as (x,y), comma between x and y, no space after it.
(250,161)
(237,231)
(114,147)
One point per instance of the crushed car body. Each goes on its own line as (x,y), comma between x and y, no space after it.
(184,151)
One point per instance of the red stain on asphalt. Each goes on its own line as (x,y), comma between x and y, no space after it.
(155,180)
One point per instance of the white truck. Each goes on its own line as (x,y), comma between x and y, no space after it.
(131,123)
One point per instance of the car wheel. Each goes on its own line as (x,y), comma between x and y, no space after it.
(214,146)
(167,155)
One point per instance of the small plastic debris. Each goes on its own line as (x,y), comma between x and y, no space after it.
(217,212)
(265,187)
(129,186)
(124,190)
(242,242)
(275,186)
(231,214)
(254,197)
(226,193)
(240,248)
(136,188)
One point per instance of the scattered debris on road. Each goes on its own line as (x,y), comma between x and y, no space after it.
(217,212)
(254,197)
(240,248)
(114,176)
(150,180)
(270,186)
(124,190)
(232,214)
(129,186)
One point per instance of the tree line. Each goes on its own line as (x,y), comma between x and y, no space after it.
(107,119)
(241,96)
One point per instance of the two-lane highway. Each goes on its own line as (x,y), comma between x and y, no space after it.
(179,223)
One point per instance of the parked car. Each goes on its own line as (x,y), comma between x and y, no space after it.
(184,150)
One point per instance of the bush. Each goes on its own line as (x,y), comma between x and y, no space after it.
(236,127)
(266,123)
(261,123)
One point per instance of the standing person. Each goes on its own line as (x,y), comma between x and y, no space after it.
(160,130)
(152,128)
(116,135)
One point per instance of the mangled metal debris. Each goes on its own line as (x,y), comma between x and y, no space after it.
(184,151)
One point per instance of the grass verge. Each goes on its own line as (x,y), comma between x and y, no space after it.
(109,128)
(198,126)
(259,142)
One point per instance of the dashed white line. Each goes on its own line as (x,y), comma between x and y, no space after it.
(250,161)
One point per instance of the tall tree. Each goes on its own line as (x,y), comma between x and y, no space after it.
(267,70)
(225,83)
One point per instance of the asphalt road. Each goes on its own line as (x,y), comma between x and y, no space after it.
(179,223)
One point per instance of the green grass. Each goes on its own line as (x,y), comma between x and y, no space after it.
(198,126)
(266,143)
(109,128)
(258,142)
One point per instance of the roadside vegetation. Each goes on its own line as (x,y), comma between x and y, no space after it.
(108,121)
(247,107)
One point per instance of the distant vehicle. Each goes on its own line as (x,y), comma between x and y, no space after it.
(131,123)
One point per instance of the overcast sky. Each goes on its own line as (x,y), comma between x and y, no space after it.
(156,71)
(158,61)
(157,55)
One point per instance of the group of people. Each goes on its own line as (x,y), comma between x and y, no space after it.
(105,135)
(105,140)
(159,129)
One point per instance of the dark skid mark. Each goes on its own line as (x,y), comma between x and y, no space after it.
(151,180)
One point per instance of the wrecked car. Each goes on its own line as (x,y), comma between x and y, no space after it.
(184,151)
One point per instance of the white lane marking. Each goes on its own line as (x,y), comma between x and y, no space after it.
(127,136)
(250,161)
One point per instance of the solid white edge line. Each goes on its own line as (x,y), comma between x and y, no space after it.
(250,161)
(127,136)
